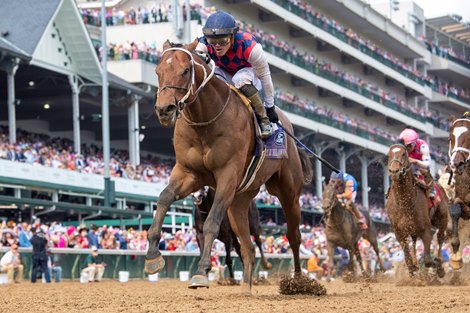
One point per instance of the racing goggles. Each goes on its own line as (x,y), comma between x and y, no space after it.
(221,41)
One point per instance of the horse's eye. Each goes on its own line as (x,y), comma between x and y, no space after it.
(186,72)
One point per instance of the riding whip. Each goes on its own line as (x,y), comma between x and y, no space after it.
(325,162)
(450,178)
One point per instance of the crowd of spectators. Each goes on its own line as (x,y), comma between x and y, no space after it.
(447,53)
(335,118)
(40,149)
(351,37)
(131,50)
(303,9)
(160,13)
(313,241)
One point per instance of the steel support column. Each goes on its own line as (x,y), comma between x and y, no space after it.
(386,180)
(133,122)
(364,181)
(73,80)
(11,68)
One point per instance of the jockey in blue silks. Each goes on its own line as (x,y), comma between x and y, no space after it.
(346,187)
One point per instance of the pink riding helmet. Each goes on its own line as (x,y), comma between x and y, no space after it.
(408,136)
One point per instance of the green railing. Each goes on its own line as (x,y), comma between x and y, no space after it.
(314,20)
(291,107)
(316,68)
(445,54)
(72,262)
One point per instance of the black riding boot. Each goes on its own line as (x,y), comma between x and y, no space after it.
(257,103)
(429,183)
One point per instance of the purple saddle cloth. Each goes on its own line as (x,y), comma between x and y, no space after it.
(276,144)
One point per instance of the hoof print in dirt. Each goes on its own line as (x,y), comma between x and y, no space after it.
(261,282)
(228,282)
(301,284)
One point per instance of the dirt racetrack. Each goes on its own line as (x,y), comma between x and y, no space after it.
(173,296)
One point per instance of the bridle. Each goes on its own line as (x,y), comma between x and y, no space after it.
(457,149)
(181,103)
(404,166)
(333,204)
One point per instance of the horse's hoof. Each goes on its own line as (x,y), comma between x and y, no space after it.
(267,265)
(456,261)
(441,272)
(199,281)
(154,266)
(246,290)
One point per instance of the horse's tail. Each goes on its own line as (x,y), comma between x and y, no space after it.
(307,168)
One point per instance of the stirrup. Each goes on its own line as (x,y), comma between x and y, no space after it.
(266,130)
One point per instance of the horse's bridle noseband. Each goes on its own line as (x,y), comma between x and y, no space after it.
(454,151)
(181,103)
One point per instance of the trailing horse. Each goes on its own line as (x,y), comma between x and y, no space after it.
(342,230)
(459,154)
(203,200)
(214,141)
(409,213)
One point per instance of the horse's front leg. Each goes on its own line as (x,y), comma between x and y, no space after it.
(408,258)
(440,240)
(223,198)
(181,185)
(427,238)
(456,257)
(414,257)
(331,258)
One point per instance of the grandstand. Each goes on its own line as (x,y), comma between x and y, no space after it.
(348,77)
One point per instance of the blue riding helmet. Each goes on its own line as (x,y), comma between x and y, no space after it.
(220,24)
(336,176)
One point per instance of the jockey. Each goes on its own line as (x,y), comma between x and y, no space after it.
(346,188)
(419,156)
(240,59)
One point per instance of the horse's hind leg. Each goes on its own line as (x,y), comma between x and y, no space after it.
(238,216)
(255,231)
(373,242)
(181,185)
(290,204)
(357,253)
(371,236)
(264,262)
(414,257)
(228,250)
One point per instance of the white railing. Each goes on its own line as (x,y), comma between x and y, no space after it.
(43,176)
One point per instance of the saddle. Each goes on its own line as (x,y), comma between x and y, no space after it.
(431,203)
(275,146)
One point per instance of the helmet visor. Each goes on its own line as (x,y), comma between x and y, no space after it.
(221,41)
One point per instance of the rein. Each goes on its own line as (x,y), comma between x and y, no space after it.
(403,167)
(327,219)
(181,104)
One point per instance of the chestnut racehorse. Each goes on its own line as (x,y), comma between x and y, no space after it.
(409,214)
(214,141)
(459,154)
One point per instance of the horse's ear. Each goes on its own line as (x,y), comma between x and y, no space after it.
(166,45)
(192,46)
